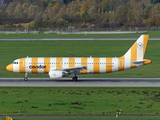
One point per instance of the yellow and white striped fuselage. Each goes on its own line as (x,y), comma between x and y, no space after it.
(93,65)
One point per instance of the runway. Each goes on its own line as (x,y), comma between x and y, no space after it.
(82,82)
(47,39)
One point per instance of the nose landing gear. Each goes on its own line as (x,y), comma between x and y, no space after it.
(26,77)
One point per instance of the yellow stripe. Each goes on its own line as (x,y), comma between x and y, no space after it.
(134,54)
(108,65)
(22,64)
(71,62)
(47,64)
(58,63)
(10,67)
(96,68)
(121,63)
(84,63)
(145,41)
(34,63)
(147,61)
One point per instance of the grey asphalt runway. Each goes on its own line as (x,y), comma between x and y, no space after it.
(74,39)
(82,82)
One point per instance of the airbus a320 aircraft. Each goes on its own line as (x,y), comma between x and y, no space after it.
(64,66)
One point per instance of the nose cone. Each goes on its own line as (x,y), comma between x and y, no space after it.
(10,67)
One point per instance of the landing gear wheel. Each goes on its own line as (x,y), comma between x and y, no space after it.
(75,78)
(25,79)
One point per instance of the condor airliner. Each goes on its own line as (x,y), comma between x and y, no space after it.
(58,67)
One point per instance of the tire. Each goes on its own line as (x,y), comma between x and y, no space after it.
(74,78)
(25,79)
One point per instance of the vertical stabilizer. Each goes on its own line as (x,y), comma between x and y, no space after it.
(138,49)
(135,55)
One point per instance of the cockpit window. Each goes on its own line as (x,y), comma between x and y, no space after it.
(15,63)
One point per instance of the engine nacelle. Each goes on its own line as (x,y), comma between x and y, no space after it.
(57,74)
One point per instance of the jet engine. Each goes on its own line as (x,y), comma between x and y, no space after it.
(57,74)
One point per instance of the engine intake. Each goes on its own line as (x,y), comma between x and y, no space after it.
(57,74)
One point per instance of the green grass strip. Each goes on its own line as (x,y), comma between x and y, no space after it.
(79,101)
(83,118)
(54,35)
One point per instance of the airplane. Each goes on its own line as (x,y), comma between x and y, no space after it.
(58,67)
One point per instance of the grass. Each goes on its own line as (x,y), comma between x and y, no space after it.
(79,101)
(91,118)
(54,35)
(11,50)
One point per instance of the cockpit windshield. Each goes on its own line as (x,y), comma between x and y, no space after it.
(14,62)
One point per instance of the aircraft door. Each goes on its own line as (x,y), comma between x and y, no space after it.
(25,62)
(121,64)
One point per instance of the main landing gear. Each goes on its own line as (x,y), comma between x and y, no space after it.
(26,77)
(75,78)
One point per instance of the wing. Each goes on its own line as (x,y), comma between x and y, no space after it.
(76,70)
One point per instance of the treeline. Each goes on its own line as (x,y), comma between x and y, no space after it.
(81,13)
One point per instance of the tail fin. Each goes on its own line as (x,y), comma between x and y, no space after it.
(138,49)
(134,56)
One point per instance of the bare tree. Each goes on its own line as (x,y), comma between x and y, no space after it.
(25,7)
(154,14)
(18,12)
(9,10)
(33,10)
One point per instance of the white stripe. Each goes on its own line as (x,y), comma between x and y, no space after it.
(65,62)
(127,60)
(115,65)
(102,65)
(41,62)
(53,65)
(16,66)
(140,45)
(78,60)
(90,65)
(28,60)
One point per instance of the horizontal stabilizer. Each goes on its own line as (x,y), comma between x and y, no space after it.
(137,62)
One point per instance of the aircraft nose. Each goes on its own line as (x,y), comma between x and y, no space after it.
(10,67)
